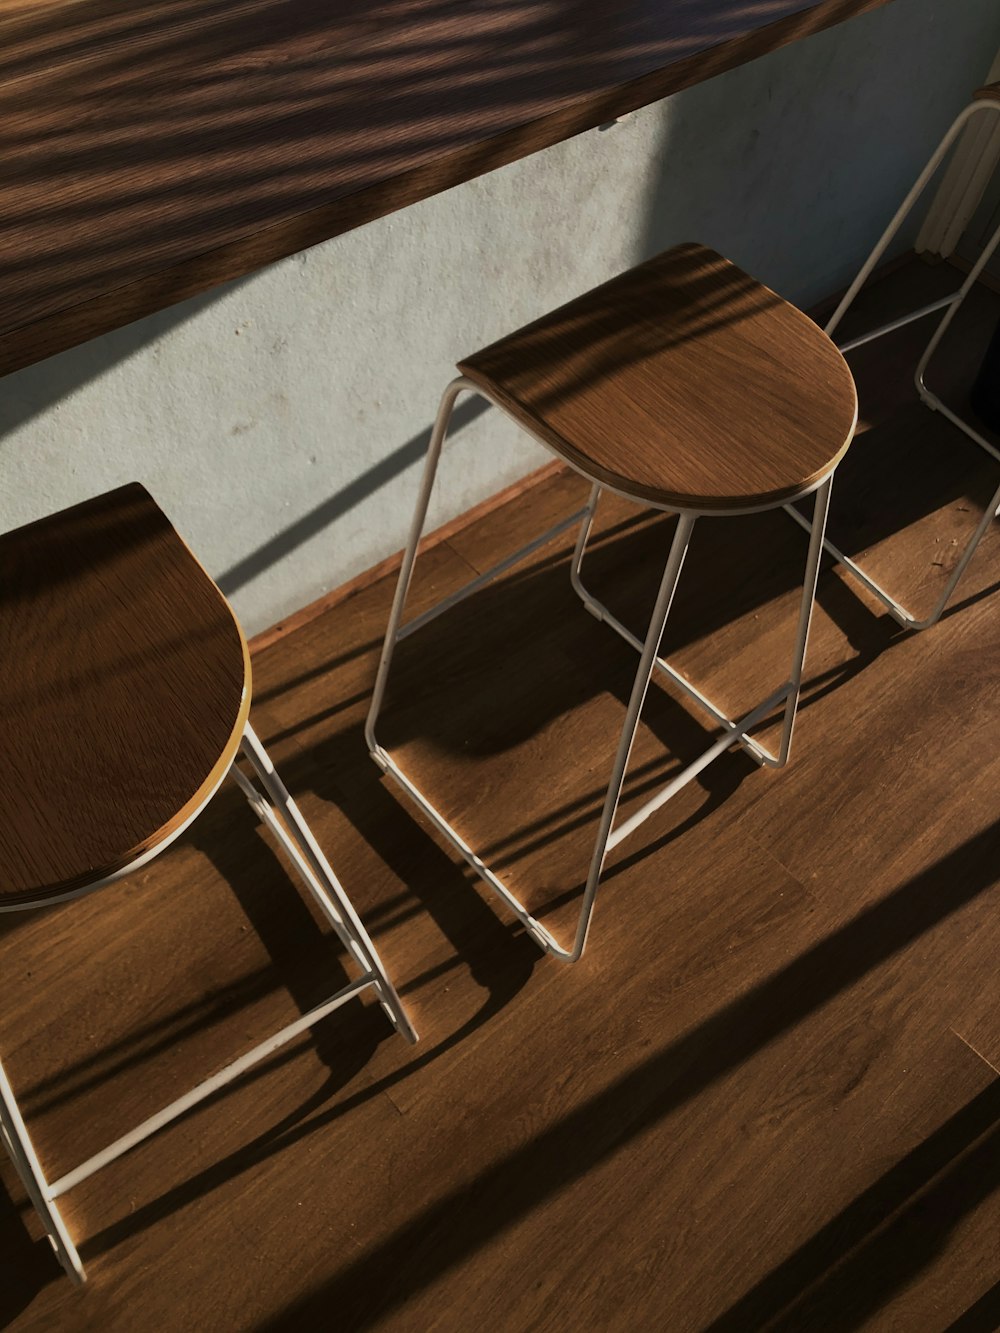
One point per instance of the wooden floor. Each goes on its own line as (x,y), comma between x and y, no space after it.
(769,1094)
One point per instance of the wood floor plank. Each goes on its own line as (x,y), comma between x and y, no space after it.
(665,1171)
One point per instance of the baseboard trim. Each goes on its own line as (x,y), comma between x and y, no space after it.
(268,637)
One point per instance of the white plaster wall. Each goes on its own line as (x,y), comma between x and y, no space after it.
(279,421)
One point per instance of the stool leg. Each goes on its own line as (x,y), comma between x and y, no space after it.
(409,559)
(647,661)
(16,1140)
(609,837)
(595,608)
(601,612)
(821,507)
(317,874)
(919,375)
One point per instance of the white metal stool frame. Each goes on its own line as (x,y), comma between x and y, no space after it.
(608,836)
(950,305)
(279,812)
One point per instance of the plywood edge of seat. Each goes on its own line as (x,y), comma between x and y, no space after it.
(155,838)
(989,92)
(653,495)
(669,497)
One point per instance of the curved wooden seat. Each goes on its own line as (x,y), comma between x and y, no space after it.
(990,92)
(683,382)
(125,685)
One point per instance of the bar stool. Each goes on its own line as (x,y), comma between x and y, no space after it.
(684,385)
(985,100)
(126,698)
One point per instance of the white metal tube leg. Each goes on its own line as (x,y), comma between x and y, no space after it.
(657,622)
(18,1143)
(790,692)
(601,612)
(318,876)
(821,508)
(409,557)
(582,538)
(926,395)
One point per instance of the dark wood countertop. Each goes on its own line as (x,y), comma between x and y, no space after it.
(151,151)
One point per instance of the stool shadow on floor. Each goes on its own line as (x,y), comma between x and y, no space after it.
(521,660)
(28,1265)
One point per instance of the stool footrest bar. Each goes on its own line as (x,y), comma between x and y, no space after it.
(901,322)
(537,931)
(693,769)
(467,589)
(898,612)
(600,611)
(205,1089)
(389,766)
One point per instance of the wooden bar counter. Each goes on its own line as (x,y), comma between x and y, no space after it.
(150,151)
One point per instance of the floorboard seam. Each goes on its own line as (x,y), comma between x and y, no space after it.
(965,1042)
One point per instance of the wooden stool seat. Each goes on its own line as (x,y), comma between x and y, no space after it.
(683,382)
(126,684)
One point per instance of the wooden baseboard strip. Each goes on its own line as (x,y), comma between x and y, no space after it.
(266,638)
